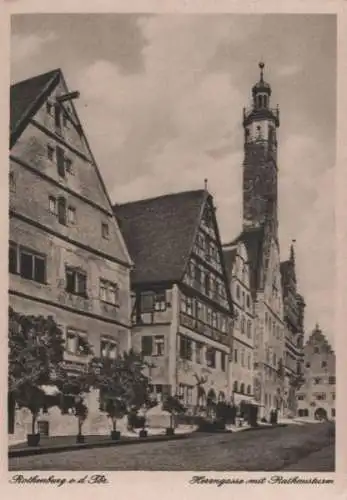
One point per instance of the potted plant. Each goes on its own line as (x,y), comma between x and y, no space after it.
(33,398)
(172,405)
(81,412)
(115,408)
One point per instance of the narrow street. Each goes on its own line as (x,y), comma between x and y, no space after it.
(306,448)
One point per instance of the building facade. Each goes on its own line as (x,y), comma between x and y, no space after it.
(182,311)
(316,396)
(241,359)
(67,257)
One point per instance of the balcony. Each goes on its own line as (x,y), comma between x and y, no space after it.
(203,328)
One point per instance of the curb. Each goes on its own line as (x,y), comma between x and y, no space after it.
(24,452)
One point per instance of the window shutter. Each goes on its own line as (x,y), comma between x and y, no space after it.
(147,345)
(62,210)
(60,161)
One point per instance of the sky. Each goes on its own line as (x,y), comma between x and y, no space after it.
(161,104)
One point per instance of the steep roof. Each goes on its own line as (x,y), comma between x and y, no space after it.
(26,97)
(159,233)
(253,239)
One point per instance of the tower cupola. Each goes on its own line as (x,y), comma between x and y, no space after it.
(261,91)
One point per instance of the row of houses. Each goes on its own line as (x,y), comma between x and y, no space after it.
(218,321)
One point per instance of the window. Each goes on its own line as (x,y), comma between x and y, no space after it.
(198,352)
(109,292)
(243,323)
(332,380)
(147,302)
(57,118)
(76,343)
(12,182)
(208,316)
(105,231)
(60,161)
(62,211)
(223,361)
(249,361)
(238,291)
(187,305)
(53,205)
(316,350)
(76,281)
(333,396)
(317,380)
(242,357)
(249,390)
(49,107)
(185,348)
(68,165)
(27,263)
(214,319)
(242,388)
(211,357)
(324,364)
(308,365)
(303,413)
(274,359)
(71,215)
(160,301)
(301,397)
(13,258)
(235,355)
(50,152)
(248,301)
(249,328)
(243,299)
(158,345)
(108,348)
(321,396)
(333,412)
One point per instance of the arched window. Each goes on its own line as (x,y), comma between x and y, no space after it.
(243,321)
(249,390)
(242,388)
(235,386)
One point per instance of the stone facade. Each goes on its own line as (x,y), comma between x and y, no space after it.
(316,396)
(67,257)
(241,359)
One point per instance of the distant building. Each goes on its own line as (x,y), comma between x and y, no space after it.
(316,397)
(241,363)
(293,308)
(181,309)
(67,257)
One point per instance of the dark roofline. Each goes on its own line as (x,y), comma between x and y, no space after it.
(154,198)
(19,127)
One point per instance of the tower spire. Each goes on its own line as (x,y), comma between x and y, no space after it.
(261,66)
(292,253)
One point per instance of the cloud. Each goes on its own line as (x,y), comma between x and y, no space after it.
(29,46)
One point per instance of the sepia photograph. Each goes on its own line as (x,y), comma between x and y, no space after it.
(171,253)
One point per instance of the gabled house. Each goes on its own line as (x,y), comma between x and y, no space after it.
(316,397)
(67,256)
(181,304)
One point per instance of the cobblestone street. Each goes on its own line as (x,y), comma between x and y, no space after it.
(306,448)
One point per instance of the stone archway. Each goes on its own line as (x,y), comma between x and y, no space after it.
(320,414)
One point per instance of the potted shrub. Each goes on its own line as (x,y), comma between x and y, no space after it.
(172,405)
(81,412)
(33,398)
(115,408)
